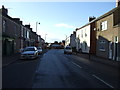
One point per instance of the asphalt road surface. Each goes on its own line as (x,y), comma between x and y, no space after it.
(55,69)
(58,70)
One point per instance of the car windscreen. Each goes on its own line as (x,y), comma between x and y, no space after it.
(29,49)
(39,48)
(68,47)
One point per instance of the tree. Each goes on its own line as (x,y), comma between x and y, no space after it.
(56,42)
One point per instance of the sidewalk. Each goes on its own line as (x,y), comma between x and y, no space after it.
(6,60)
(10,59)
(100,60)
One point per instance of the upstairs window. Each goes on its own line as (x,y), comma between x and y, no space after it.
(4,25)
(104,25)
(15,30)
(28,34)
(21,31)
(82,33)
(85,33)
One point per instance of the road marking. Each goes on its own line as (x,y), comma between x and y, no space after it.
(77,65)
(103,81)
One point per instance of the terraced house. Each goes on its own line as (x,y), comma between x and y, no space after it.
(85,37)
(15,35)
(101,36)
(10,32)
(108,34)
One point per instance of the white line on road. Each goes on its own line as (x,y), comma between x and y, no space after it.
(77,65)
(103,81)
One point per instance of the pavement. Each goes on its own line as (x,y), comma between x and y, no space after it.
(11,59)
(102,60)
(6,60)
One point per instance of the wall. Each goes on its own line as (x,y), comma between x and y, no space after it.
(67,41)
(85,39)
(72,40)
(106,35)
(77,39)
(93,37)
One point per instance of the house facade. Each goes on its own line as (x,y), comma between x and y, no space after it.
(10,33)
(15,35)
(107,35)
(72,39)
(85,37)
(67,41)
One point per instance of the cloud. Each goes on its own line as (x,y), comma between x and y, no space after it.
(64,25)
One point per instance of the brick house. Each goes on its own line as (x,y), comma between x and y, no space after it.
(10,33)
(108,34)
(15,35)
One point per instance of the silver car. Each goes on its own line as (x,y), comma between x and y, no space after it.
(68,50)
(29,53)
(40,51)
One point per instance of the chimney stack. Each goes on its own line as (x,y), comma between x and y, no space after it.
(4,11)
(28,26)
(117,3)
(91,18)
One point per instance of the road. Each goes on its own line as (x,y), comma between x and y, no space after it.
(58,70)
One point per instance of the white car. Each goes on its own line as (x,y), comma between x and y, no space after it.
(40,51)
(68,50)
(29,53)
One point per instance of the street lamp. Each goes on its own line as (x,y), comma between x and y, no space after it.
(36,26)
(65,40)
(45,37)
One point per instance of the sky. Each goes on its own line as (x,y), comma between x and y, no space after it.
(57,20)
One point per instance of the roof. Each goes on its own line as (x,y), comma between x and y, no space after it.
(104,15)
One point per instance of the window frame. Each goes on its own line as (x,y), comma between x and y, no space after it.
(4,25)
(104,25)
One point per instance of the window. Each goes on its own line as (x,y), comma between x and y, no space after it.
(24,33)
(102,45)
(82,33)
(116,39)
(28,34)
(85,46)
(85,33)
(104,25)
(21,31)
(4,25)
(15,30)
(78,36)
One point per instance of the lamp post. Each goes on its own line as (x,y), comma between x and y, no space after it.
(65,40)
(45,37)
(36,26)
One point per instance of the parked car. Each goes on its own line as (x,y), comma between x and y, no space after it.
(40,51)
(21,50)
(29,53)
(68,50)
